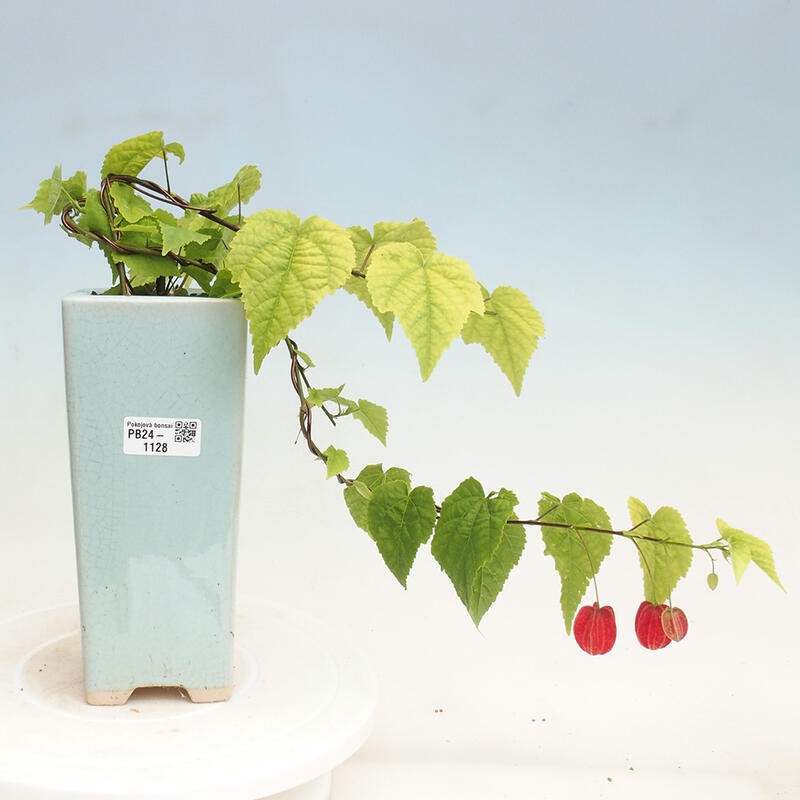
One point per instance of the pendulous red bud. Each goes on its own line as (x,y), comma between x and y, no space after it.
(674,623)
(595,629)
(649,628)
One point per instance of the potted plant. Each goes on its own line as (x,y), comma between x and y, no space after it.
(170,256)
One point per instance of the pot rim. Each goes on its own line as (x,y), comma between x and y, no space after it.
(96,296)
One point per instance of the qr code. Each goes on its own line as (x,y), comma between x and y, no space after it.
(185,430)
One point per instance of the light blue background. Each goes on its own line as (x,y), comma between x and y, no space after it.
(633,167)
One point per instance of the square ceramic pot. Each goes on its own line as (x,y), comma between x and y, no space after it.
(155,396)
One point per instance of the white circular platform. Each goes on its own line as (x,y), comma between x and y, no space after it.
(303,703)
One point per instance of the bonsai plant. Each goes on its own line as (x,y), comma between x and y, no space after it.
(159,244)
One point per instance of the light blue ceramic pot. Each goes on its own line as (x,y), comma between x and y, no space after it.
(155,396)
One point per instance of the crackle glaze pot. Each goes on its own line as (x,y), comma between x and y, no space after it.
(155,396)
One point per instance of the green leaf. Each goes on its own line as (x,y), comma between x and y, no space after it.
(305,358)
(398,474)
(431,298)
(54,194)
(144,269)
(224,286)
(176,149)
(400,520)
(473,546)
(284,268)
(509,331)
(744,548)
(94,220)
(638,511)
(336,461)
(214,249)
(358,494)
(577,553)
(175,237)
(133,155)
(241,189)
(415,232)
(142,235)
(663,564)
(356,498)
(131,206)
(318,397)
(374,418)
(94,217)
(204,279)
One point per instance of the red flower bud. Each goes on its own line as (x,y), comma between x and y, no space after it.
(595,629)
(674,623)
(649,628)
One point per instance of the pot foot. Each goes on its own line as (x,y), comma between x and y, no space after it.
(113,698)
(215,694)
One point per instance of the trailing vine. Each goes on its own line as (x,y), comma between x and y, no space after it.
(281,267)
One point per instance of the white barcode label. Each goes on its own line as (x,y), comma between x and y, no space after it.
(161,436)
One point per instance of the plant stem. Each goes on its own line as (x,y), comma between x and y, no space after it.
(155,191)
(125,286)
(297,374)
(627,534)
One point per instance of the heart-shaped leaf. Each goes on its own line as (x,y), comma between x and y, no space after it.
(284,268)
(474,544)
(509,331)
(400,520)
(431,297)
